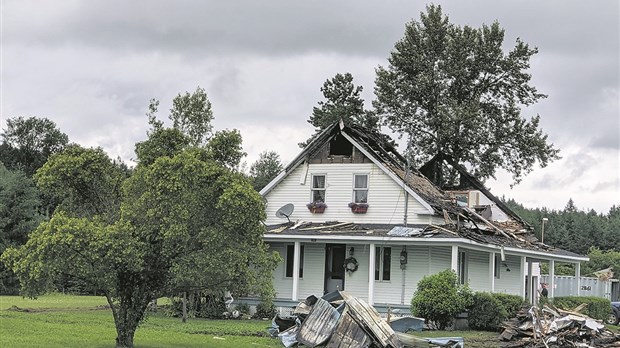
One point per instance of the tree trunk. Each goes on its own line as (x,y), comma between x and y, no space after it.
(126,328)
(125,339)
(184,319)
(129,313)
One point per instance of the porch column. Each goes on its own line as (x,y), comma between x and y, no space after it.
(529,282)
(578,278)
(551,287)
(492,268)
(522,272)
(296,258)
(454,264)
(371,274)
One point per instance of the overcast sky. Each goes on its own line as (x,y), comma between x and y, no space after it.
(92,66)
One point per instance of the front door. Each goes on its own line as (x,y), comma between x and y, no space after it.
(334,267)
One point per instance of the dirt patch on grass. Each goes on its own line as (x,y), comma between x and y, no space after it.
(46,310)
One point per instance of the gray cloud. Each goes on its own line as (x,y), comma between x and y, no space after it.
(92,67)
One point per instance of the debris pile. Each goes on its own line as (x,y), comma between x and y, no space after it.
(552,327)
(339,320)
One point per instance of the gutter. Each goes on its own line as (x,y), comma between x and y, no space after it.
(425,242)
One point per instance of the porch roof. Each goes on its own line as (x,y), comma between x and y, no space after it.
(343,231)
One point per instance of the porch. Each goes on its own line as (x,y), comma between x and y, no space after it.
(385,272)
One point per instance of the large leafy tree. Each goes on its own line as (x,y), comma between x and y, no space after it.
(19,202)
(185,222)
(267,167)
(161,142)
(225,148)
(453,91)
(85,182)
(27,143)
(343,101)
(192,115)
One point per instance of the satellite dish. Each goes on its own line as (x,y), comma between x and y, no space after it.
(285,211)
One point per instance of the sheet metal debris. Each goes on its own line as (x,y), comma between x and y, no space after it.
(405,231)
(339,320)
(552,327)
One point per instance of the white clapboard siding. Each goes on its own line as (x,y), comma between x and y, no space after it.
(509,281)
(356,283)
(418,264)
(388,291)
(478,271)
(440,260)
(421,261)
(385,197)
(314,271)
(283,286)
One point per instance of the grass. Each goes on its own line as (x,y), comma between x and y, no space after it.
(74,321)
(58,320)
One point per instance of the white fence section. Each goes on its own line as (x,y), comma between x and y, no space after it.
(566,286)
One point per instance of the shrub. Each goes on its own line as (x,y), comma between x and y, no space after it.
(439,298)
(265,309)
(512,303)
(597,308)
(486,312)
(243,308)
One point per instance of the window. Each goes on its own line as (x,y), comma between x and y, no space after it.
(290,257)
(462,199)
(383,262)
(360,188)
(339,146)
(462,267)
(496,264)
(318,188)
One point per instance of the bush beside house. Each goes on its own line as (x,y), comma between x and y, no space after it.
(596,307)
(439,298)
(489,310)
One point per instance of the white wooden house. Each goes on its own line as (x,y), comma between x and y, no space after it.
(384,227)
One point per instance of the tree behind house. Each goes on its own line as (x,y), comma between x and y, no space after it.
(342,102)
(453,91)
(265,169)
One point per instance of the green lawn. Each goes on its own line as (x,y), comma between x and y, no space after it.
(58,320)
(74,321)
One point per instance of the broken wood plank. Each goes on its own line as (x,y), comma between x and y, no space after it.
(443,229)
(278,230)
(348,334)
(319,325)
(326,226)
(298,224)
(446,218)
(368,318)
(488,223)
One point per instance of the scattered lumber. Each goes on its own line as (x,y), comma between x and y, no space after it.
(340,320)
(548,326)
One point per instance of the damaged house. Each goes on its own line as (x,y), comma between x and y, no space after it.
(347,214)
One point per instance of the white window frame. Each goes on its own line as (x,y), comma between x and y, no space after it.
(313,189)
(462,265)
(496,266)
(291,256)
(379,261)
(355,189)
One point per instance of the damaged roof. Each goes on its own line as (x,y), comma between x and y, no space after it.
(459,221)
(481,234)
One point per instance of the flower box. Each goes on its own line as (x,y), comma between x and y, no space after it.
(358,208)
(316,207)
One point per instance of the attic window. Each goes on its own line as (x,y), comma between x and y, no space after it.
(340,146)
